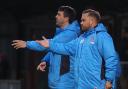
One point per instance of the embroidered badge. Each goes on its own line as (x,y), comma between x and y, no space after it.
(95,87)
(92,40)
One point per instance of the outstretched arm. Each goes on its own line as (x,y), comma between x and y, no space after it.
(17,44)
(60,48)
(33,45)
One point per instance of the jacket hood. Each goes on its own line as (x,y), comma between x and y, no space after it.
(74,26)
(100,27)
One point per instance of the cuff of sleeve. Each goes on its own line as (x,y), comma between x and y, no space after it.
(27,44)
(109,80)
(43,60)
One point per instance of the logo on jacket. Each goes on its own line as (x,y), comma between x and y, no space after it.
(82,41)
(95,87)
(92,40)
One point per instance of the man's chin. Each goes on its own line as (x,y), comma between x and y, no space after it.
(57,24)
(83,29)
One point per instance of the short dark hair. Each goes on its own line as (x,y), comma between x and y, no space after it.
(68,12)
(93,13)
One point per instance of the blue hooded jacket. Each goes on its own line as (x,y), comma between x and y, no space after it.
(88,51)
(65,81)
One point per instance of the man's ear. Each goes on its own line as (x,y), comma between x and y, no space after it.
(67,19)
(91,21)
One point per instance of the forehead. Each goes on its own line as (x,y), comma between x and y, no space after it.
(60,12)
(85,15)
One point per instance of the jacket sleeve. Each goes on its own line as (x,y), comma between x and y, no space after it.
(109,55)
(46,58)
(63,48)
(119,71)
(32,45)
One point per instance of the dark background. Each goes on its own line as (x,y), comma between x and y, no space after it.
(30,19)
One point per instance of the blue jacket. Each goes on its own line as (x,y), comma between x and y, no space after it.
(65,81)
(88,51)
(118,73)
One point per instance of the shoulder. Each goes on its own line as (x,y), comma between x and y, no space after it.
(103,35)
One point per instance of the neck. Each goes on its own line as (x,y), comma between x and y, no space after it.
(63,25)
(93,25)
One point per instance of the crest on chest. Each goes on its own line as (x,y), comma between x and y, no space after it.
(92,40)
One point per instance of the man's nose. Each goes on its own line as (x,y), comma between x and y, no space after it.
(56,16)
(81,23)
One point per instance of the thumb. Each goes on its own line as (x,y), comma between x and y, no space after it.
(38,67)
(44,38)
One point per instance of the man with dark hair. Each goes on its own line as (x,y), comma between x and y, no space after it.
(68,12)
(61,69)
(88,52)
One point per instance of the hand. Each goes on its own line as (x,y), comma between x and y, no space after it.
(41,66)
(108,85)
(18,44)
(44,42)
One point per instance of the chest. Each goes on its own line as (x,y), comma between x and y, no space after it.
(87,45)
